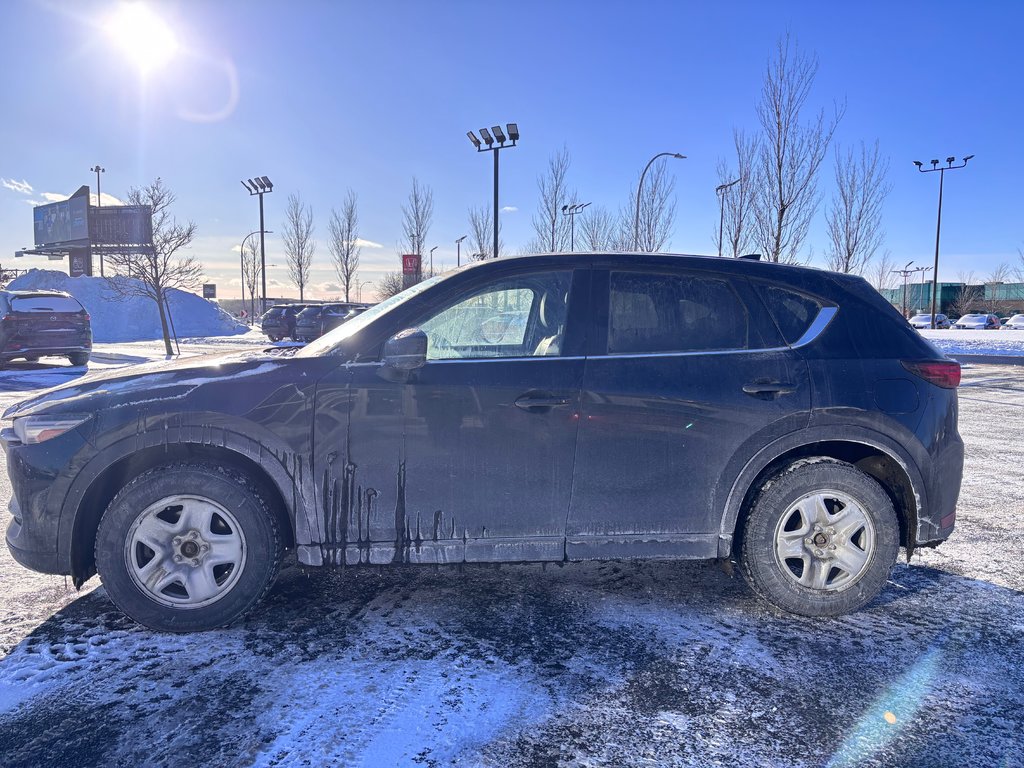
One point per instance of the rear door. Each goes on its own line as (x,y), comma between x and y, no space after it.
(686,372)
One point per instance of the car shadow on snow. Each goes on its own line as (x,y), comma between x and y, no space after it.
(22,376)
(609,663)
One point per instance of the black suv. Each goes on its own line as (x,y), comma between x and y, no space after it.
(278,322)
(313,322)
(542,408)
(36,324)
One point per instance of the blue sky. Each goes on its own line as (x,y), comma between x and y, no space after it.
(322,96)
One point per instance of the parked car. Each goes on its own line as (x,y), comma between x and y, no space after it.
(925,321)
(278,322)
(978,322)
(35,324)
(313,322)
(1015,323)
(650,406)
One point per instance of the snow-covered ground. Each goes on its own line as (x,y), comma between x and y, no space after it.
(646,664)
(954,342)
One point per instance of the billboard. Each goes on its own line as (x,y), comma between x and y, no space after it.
(63,222)
(209,290)
(121,224)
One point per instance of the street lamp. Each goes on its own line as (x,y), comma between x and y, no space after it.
(571,211)
(260,186)
(241,252)
(432,260)
(501,139)
(640,186)
(97,170)
(938,225)
(458,251)
(720,190)
(359,289)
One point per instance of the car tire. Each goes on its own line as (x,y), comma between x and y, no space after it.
(78,358)
(820,539)
(188,547)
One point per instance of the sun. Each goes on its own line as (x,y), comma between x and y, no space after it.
(144,36)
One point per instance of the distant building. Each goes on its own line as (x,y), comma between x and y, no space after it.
(959,298)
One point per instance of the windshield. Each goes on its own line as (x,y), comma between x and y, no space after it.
(972,318)
(45,304)
(326,343)
(1016,319)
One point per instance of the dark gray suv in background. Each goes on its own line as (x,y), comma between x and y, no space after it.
(543,408)
(36,324)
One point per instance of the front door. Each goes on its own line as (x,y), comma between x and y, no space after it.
(470,457)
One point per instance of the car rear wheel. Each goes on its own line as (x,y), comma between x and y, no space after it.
(78,358)
(820,539)
(188,547)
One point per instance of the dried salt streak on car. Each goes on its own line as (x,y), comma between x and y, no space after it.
(784,417)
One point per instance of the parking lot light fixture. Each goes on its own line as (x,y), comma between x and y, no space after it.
(938,224)
(571,211)
(458,251)
(720,190)
(640,186)
(503,142)
(259,190)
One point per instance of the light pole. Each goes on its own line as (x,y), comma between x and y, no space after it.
(359,289)
(720,190)
(924,271)
(260,186)
(499,136)
(241,252)
(571,211)
(97,170)
(432,260)
(640,186)
(905,271)
(938,224)
(458,251)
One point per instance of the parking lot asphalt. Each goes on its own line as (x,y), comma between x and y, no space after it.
(644,664)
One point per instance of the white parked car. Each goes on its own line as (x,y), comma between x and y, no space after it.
(1015,323)
(925,321)
(976,322)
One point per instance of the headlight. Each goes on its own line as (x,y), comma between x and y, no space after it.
(38,429)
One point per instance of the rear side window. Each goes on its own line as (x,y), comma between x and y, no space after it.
(45,304)
(793,312)
(674,313)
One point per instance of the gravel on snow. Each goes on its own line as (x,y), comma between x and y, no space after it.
(645,664)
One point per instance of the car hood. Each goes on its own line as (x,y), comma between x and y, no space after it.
(147,382)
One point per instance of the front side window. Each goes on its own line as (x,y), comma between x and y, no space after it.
(514,317)
(650,312)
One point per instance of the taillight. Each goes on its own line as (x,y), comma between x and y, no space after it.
(941,373)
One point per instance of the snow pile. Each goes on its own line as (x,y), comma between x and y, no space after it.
(133,318)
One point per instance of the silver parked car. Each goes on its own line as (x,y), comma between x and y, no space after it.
(925,321)
(977,322)
(1015,323)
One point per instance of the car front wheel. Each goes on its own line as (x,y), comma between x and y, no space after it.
(820,539)
(188,547)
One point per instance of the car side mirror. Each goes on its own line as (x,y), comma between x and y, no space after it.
(406,350)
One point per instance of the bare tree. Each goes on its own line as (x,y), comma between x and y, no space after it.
(738,200)
(854,220)
(995,301)
(299,244)
(390,284)
(417,216)
(967,295)
(342,241)
(551,229)
(657,208)
(601,231)
(883,272)
(790,154)
(250,275)
(156,271)
(481,233)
